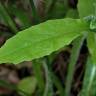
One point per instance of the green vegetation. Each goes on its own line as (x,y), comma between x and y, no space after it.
(42,42)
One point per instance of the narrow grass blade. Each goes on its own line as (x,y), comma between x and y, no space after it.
(7,18)
(52,77)
(21,15)
(57,84)
(73,59)
(51,6)
(34,12)
(89,83)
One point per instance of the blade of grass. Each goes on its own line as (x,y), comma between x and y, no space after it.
(57,84)
(54,79)
(7,18)
(21,15)
(73,59)
(34,12)
(89,80)
(51,6)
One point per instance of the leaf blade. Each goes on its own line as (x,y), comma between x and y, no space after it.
(41,40)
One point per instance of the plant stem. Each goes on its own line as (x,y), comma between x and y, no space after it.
(48,86)
(73,59)
(7,18)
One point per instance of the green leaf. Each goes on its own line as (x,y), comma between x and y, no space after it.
(28,85)
(91,43)
(86,7)
(41,40)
